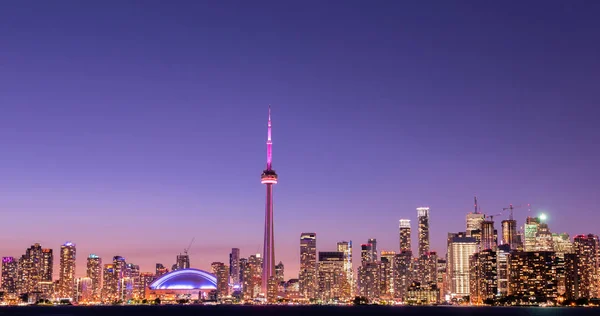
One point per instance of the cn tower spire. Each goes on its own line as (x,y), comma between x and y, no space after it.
(269,142)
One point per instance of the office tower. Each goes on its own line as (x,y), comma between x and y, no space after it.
(368,280)
(308,265)
(346,248)
(509,233)
(531,228)
(331,276)
(243,267)
(366,253)
(427,272)
(183,261)
(47,265)
(460,249)
(502,268)
(584,266)
(562,243)
(160,270)
(483,276)
(221,271)
(402,274)
(9,275)
(279,272)
(474,220)
(488,236)
(423,218)
(374,254)
(533,272)
(269,178)
(386,274)
(119,267)
(442,266)
(405,244)
(109,284)
(133,290)
(234,266)
(146,279)
(85,292)
(67,270)
(543,238)
(94,272)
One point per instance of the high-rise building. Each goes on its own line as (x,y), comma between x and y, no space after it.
(427,271)
(85,292)
(488,236)
(474,220)
(279,272)
(268,178)
(582,267)
(368,280)
(30,270)
(308,265)
(331,278)
(423,218)
(133,288)
(531,228)
(405,244)
(366,253)
(483,276)
(183,261)
(221,271)
(9,275)
(374,254)
(234,266)
(160,270)
(460,249)
(562,243)
(509,233)
(533,272)
(543,238)
(120,284)
(94,272)
(47,265)
(253,276)
(67,271)
(402,273)
(146,279)
(346,248)
(109,284)
(502,268)
(386,274)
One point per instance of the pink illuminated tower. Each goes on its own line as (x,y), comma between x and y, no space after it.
(268,177)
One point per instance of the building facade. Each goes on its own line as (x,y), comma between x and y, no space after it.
(308,265)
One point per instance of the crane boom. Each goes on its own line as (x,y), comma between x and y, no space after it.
(511,208)
(185,251)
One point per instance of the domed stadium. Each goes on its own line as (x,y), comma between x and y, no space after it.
(191,284)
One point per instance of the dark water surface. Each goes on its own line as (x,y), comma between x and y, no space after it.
(292,310)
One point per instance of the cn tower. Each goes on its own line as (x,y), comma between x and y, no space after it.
(268,177)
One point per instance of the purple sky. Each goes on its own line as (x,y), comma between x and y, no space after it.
(129,127)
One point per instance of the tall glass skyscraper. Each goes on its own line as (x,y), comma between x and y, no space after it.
(423,218)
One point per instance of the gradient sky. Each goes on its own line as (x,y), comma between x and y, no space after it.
(129,127)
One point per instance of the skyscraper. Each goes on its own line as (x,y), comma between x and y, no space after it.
(460,249)
(234,266)
(47,265)
(331,276)
(584,265)
(386,274)
(269,178)
(279,272)
(94,272)
(405,244)
(9,275)
(531,228)
(160,270)
(474,220)
(366,253)
(488,236)
(183,261)
(308,265)
(374,254)
(109,284)
(84,289)
(509,233)
(119,267)
(221,271)
(67,271)
(423,218)
(346,248)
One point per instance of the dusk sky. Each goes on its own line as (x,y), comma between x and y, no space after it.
(129,127)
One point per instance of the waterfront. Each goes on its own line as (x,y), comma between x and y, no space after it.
(181,310)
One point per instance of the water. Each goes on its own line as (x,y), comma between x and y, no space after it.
(175,310)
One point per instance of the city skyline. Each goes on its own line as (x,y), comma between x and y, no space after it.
(92,129)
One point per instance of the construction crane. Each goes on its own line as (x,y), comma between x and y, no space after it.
(491,217)
(511,208)
(185,251)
